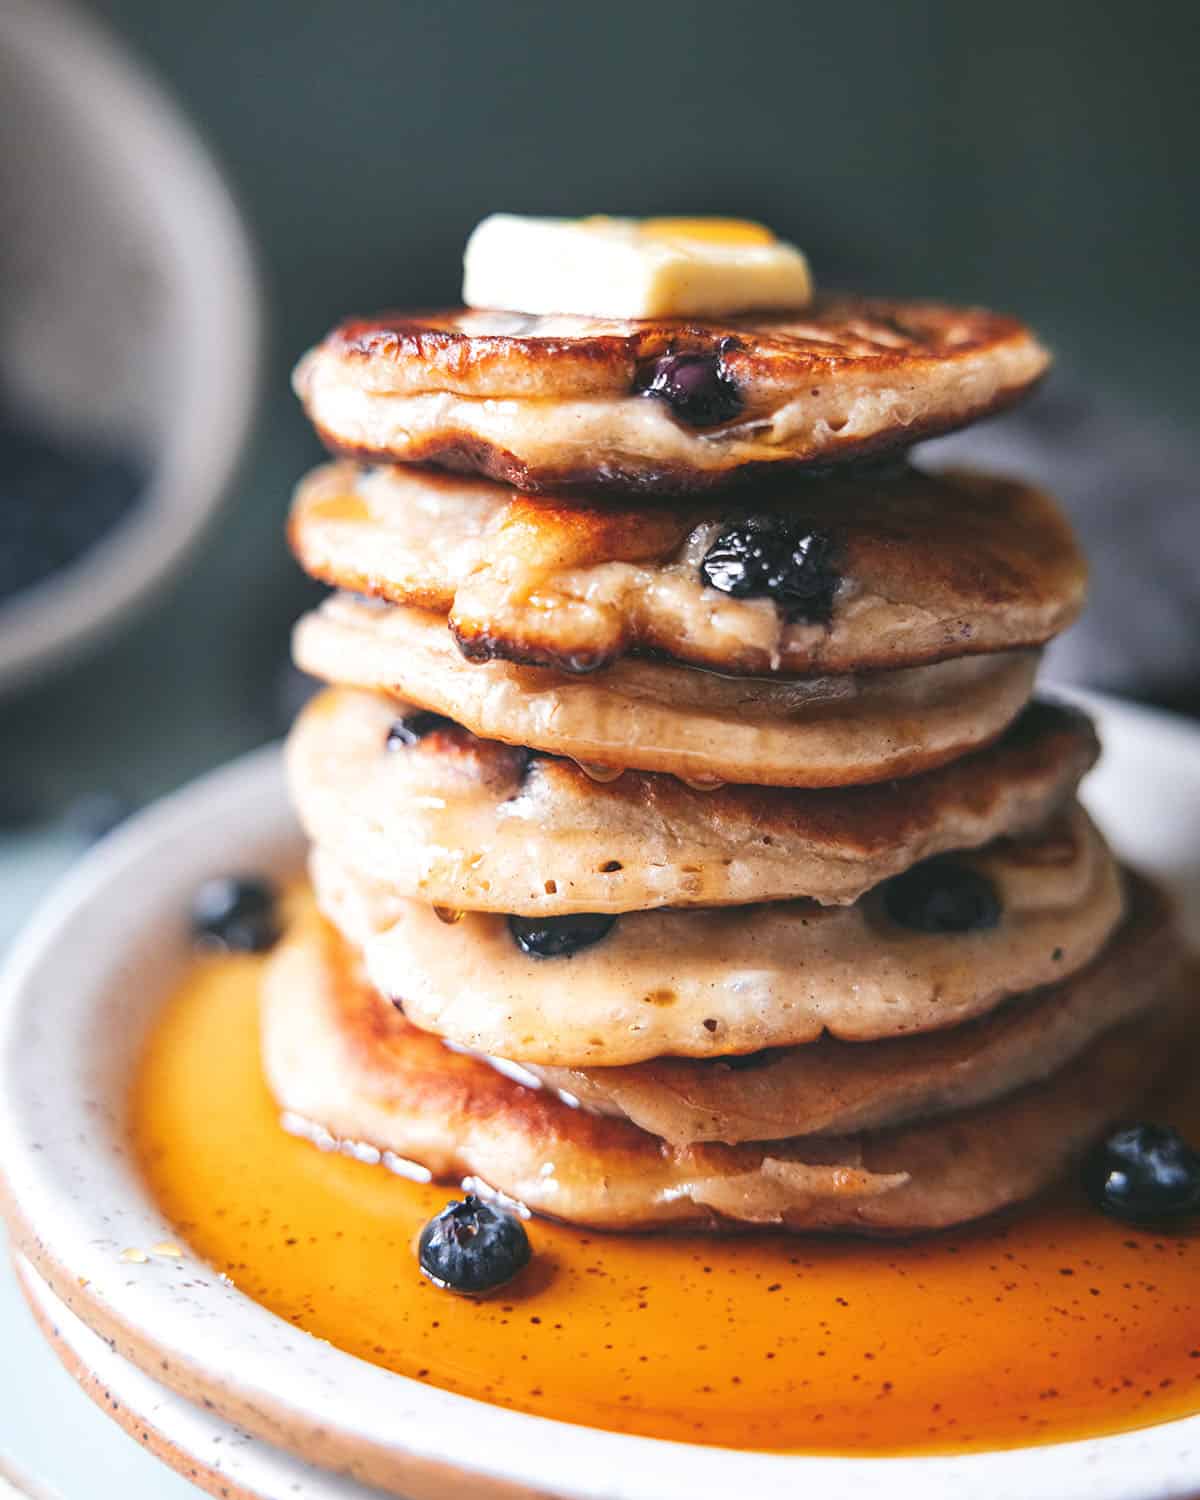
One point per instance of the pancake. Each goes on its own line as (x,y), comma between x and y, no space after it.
(341,1064)
(654,716)
(829,1087)
(555,401)
(915,569)
(458,821)
(736,979)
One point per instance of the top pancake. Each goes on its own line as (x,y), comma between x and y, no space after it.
(919,568)
(553,401)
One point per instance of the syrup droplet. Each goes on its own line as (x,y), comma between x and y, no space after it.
(703,783)
(598,772)
(448,914)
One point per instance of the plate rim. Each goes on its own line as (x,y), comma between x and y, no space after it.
(180,1434)
(326,1390)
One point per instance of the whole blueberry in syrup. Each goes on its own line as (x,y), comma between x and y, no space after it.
(942,895)
(237,913)
(775,557)
(559,937)
(414,727)
(1143,1172)
(695,387)
(471,1247)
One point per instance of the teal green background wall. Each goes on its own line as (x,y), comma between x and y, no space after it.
(1039,157)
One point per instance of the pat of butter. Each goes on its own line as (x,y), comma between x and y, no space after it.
(631,268)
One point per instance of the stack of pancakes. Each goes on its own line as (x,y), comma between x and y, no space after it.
(688,846)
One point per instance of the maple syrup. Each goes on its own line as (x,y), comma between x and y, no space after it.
(1049,1324)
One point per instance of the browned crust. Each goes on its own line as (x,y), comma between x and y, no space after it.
(466,453)
(1047,743)
(1144,957)
(986,569)
(773,357)
(984,564)
(516,1126)
(438,601)
(347,653)
(1046,752)
(431,1078)
(603,356)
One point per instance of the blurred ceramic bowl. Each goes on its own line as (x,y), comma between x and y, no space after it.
(130,312)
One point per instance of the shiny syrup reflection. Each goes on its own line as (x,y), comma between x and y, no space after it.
(1051,1324)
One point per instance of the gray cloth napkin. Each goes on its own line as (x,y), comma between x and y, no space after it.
(1131,486)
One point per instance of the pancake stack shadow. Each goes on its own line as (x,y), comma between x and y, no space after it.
(689,847)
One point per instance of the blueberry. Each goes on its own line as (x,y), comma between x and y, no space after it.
(942,895)
(559,937)
(1142,1172)
(414,727)
(775,557)
(237,913)
(695,387)
(471,1247)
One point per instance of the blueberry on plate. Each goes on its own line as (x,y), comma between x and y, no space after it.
(472,1248)
(775,557)
(941,895)
(695,387)
(413,728)
(1143,1172)
(559,937)
(237,913)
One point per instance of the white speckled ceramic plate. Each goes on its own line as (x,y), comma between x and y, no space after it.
(78,994)
(201,1446)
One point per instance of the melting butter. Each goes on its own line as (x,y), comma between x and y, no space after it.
(631,268)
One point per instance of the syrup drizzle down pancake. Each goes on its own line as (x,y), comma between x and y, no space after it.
(545,402)
(654,716)
(467,823)
(915,569)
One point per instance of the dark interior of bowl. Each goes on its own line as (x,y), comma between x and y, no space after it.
(59,495)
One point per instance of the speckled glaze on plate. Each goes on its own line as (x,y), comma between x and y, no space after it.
(199,1445)
(75,1002)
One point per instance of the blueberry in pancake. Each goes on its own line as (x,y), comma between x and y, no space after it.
(727,981)
(431,812)
(546,401)
(342,1063)
(859,572)
(833,1087)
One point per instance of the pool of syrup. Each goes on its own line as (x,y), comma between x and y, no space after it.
(1051,1324)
